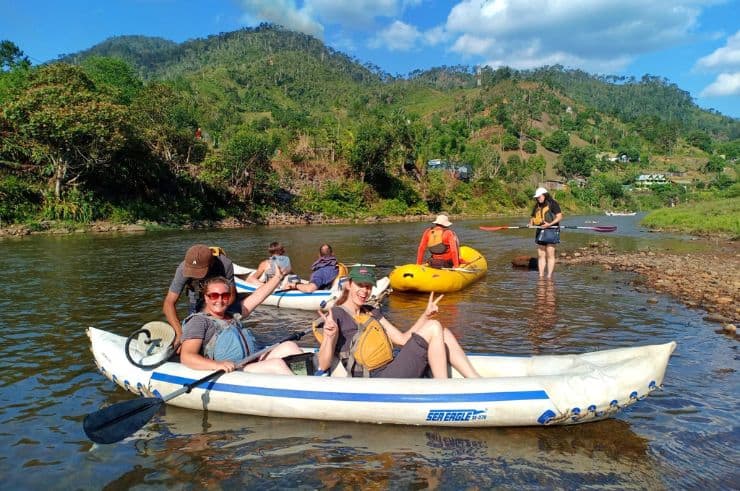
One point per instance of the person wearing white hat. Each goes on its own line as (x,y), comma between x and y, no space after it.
(441,243)
(546,215)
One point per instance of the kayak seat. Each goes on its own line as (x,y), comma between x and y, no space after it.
(341,275)
(302,363)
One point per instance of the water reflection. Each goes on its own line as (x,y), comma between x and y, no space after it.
(686,434)
(233,451)
(544,313)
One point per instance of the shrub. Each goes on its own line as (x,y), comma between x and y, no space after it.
(530,147)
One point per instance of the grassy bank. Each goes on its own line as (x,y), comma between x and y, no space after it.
(716,217)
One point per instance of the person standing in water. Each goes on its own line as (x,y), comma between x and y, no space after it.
(546,216)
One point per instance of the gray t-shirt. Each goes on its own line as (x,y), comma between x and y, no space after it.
(221,266)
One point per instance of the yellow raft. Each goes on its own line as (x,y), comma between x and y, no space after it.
(422,278)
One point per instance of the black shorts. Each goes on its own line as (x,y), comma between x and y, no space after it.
(411,361)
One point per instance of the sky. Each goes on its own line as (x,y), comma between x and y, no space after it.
(695,44)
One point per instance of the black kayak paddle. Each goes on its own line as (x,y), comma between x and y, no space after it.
(117,421)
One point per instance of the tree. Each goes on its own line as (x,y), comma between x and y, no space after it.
(715,164)
(576,161)
(60,120)
(370,151)
(164,120)
(556,141)
(113,76)
(11,56)
(246,162)
(700,139)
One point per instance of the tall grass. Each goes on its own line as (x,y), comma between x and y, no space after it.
(716,217)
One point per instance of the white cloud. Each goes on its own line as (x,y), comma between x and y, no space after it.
(596,35)
(283,12)
(436,35)
(725,58)
(399,36)
(727,84)
(356,13)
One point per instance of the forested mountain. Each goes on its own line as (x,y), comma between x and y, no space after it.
(246,122)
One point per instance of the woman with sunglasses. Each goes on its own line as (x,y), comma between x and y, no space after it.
(213,339)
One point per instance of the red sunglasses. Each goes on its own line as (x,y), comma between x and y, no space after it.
(215,296)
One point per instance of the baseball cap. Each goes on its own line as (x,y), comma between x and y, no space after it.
(362,274)
(197,260)
(539,192)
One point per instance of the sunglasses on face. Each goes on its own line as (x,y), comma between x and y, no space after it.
(215,296)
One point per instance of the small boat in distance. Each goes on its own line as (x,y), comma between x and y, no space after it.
(621,213)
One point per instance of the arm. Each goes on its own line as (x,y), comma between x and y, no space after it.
(455,249)
(260,294)
(422,247)
(399,338)
(306,287)
(254,276)
(555,221)
(169,308)
(555,207)
(329,343)
(191,358)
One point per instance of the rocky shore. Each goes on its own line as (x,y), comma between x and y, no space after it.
(710,281)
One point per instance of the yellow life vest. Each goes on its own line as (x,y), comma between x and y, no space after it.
(217,251)
(542,215)
(370,347)
(435,245)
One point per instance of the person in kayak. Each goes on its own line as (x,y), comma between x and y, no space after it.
(425,345)
(214,339)
(201,262)
(323,272)
(270,266)
(546,215)
(441,243)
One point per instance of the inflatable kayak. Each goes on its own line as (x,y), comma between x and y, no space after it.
(422,278)
(513,390)
(295,299)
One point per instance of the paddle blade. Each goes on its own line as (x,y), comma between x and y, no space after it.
(114,423)
(605,228)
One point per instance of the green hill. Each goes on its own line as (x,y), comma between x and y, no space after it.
(286,123)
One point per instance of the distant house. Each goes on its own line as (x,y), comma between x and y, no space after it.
(436,164)
(460,171)
(648,180)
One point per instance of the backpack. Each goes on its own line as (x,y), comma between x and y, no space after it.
(231,341)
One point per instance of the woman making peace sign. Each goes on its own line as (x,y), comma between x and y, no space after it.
(362,339)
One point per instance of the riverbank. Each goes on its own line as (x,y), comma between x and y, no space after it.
(709,281)
(62,228)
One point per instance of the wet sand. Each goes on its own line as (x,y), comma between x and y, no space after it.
(709,281)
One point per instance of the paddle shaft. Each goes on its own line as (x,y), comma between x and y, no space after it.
(117,421)
(604,228)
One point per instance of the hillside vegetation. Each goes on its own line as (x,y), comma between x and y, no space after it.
(263,121)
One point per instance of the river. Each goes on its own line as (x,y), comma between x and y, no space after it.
(685,436)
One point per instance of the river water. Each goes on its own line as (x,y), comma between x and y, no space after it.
(685,436)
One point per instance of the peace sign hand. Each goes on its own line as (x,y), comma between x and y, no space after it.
(432,305)
(330,325)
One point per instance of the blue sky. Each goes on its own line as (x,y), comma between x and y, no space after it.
(693,43)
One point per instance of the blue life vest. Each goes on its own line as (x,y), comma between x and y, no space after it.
(231,341)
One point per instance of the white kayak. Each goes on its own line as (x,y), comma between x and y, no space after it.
(295,299)
(514,390)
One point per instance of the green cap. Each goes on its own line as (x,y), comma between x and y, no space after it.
(362,274)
